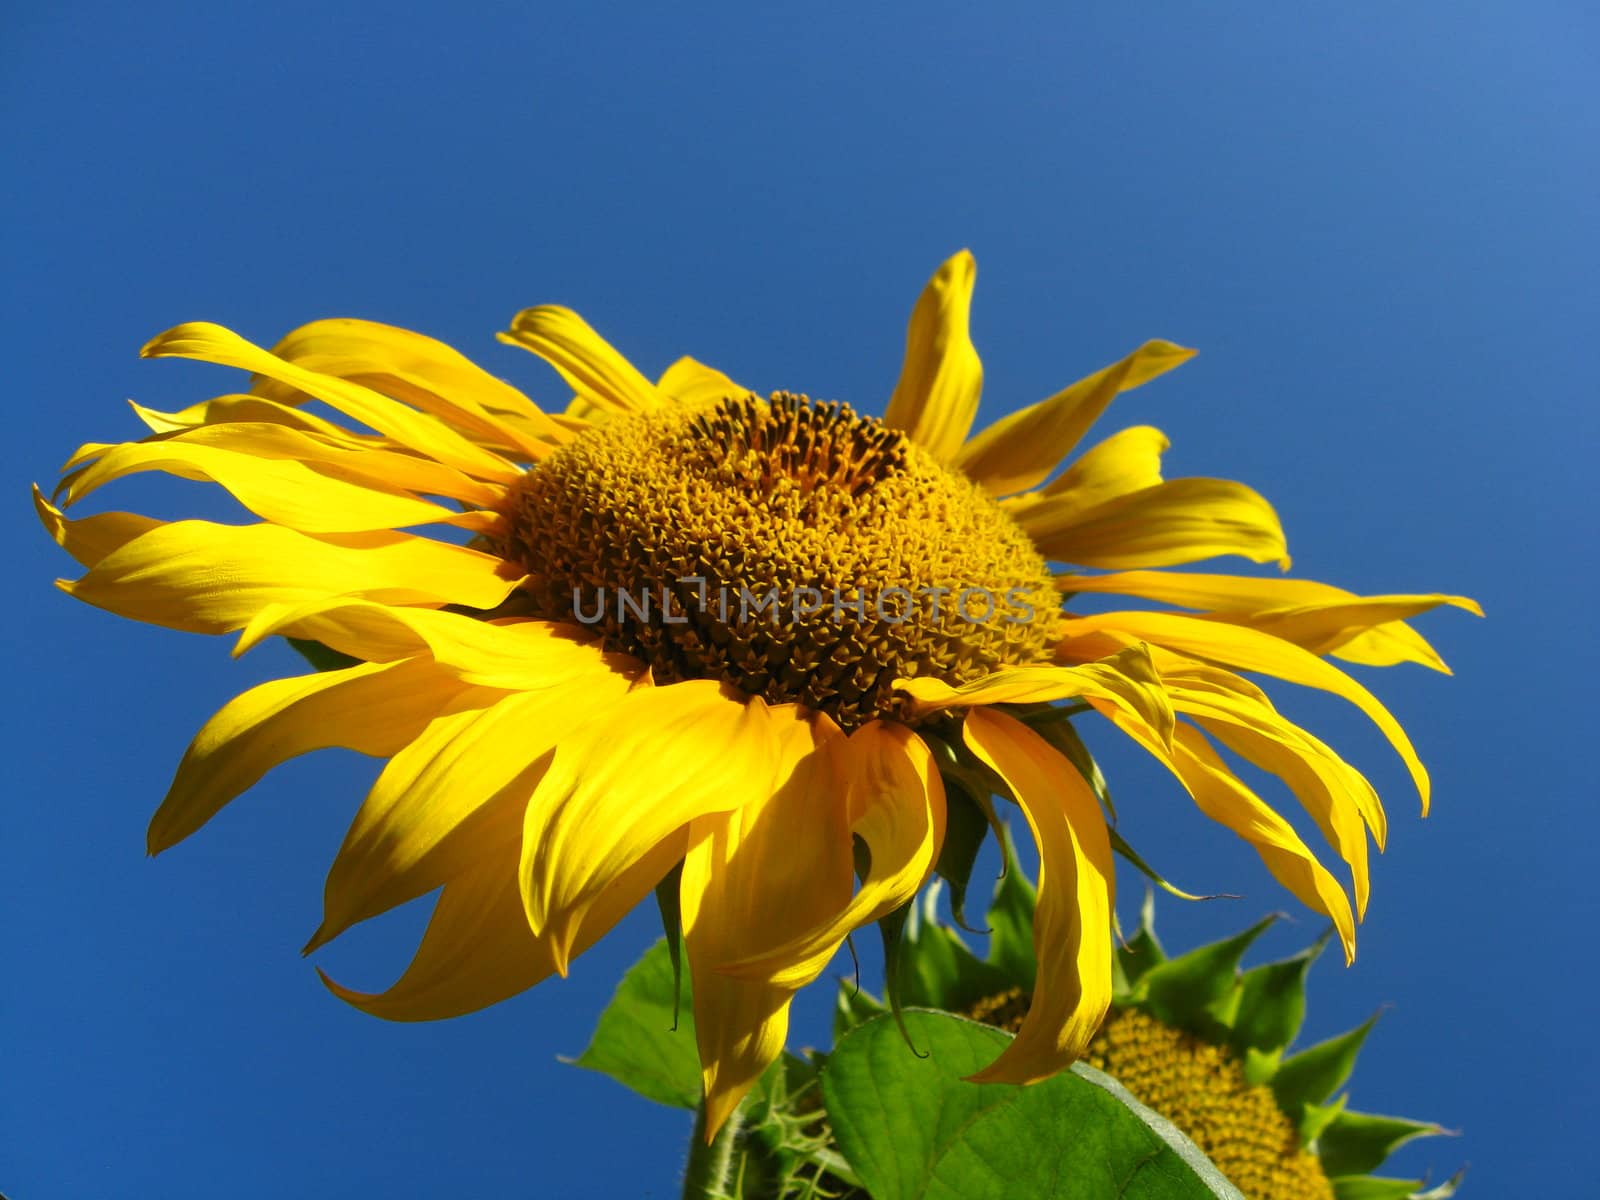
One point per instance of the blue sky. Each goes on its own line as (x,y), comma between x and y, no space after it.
(1374,221)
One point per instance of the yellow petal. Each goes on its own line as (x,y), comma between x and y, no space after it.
(478,949)
(281,490)
(772,870)
(206,578)
(417,431)
(1124,463)
(1126,680)
(936,399)
(349,457)
(618,788)
(590,364)
(1180,521)
(1072,924)
(693,383)
(1248,650)
(422,372)
(513,655)
(1321,618)
(455,793)
(1019,451)
(895,804)
(92,538)
(223,410)
(373,709)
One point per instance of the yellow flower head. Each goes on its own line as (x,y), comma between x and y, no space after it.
(698,625)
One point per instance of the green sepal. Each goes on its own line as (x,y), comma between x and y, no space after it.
(966,825)
(1272,1002)
(1445,1190)
(1011,922)
(1188,992)
(1357,1142)
(321,658)
(1314,1074)
(636,1041)
(1119,845)
(669,903)
(1317,1117)
(1143,950)
(1373,1187)
(1259,1066)
(892,928)
(853,1006)
(936,969)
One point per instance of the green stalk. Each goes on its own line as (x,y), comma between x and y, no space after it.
(706,1175)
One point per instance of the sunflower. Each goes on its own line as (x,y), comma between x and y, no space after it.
(680,630)
(1208,1046)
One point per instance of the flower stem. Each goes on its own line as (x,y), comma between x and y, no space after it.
(705,1176)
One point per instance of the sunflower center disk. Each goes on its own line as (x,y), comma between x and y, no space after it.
(789,547)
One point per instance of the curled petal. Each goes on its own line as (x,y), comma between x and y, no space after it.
(936,398)
(1072,923)
(594,368)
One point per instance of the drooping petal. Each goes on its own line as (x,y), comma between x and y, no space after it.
(1317,616)
(206,578)
(772,870)
(693,383)
(478,949)
(936,398)
(594,368)
(455,792)
(1249,650)
(895,804)
(1019,451)
(1180,521)
(371,708)
(1072,923)
(616,789)
(1220,795)
(425,373)
(1126,680)
(425,434)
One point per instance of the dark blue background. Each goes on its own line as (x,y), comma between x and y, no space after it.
(1375,221)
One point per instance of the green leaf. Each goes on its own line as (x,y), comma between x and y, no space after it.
(321,657)
(1357,1142)
(635,1042)
(1075,1135)
(1011,923)
(1185,991)
(1313,1075)
(1272,1002)
(964,831)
